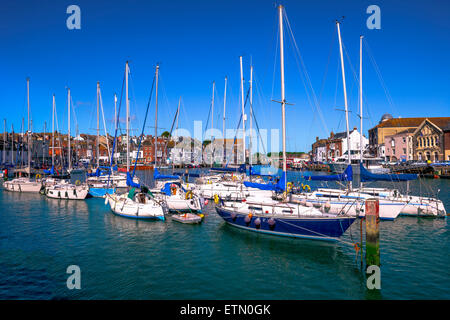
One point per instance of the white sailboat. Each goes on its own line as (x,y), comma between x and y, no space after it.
(283,217)
(64,189)
(136,205)
(25,184)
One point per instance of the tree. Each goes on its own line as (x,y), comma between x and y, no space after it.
(165,134)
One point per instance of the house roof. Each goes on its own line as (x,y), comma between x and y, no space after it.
(412,122)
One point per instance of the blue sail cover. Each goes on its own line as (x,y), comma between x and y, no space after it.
(277,187)
(51,171)
(264,171)
(347,175)
(366,175)
(240,169)
(131,183)
(166,189)
(157,175)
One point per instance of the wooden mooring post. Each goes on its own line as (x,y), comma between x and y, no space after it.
(372,232)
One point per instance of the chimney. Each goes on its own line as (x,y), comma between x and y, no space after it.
(317,139)
(331,134)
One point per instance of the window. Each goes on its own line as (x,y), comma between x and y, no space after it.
(393,143)
(404,150)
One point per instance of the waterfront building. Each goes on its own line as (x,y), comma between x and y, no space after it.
(399,146)
(389,126)
(428,139)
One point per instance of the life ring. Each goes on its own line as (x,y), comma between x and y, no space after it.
(189,195)
(77,183)
(289,186)
(38,176)
(216,199)
(307,188)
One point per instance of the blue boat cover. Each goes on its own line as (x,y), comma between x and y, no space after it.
(240,169)
(369,176)
(264,171)
(277,187)
(166,189)
(51,171)
(347,175)
(131,183)
(157,175)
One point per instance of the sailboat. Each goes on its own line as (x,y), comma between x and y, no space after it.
(411,205)
(25,184)
(283,217)
(141,204)
(66,189)
(97,186)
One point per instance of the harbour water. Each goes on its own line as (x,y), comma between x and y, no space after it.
(123,258)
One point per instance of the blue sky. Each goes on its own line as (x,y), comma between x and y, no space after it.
(197,42)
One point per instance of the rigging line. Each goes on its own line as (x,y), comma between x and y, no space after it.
(380,77)
(275,63)
(305,75)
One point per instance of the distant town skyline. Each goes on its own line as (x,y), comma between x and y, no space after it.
(198,42)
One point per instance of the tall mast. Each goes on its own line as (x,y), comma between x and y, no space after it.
(43,143)
(360,100)
(98,125)
(212,121)
(345,93)
(156,115)
(4,141)
(250,143)
(29,127)
(68,133)
(53,131)
(128,116)
(243,111)
(12,143)
(115,115)
(223,126)
(21,153)
(283,98)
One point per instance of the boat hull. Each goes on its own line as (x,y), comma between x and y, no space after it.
(327,229)
(101,192)
(77,193)
(129,209)
(22,186)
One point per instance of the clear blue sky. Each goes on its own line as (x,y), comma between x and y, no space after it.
(197,42)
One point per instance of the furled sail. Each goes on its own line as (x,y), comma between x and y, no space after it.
(240,169)
(366,175)
(157,175)
(277,187)
(347,175)
(130,182)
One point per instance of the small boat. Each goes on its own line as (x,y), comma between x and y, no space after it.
(188,218)
(139,205)
(67,191)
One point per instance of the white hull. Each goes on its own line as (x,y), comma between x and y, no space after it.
(353,204)
(67,192)
(22,185)
(230,191)
(126,207)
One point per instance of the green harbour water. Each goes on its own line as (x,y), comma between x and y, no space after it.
(122,258)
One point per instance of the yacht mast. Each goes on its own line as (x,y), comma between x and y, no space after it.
(115,116)
(156,115)
(29,129)
(4,141)
(12,143)
(223,126)
(43,142)
(250,144)
(98,125)
(212,121)
(21,152)
(68,134)
(345,99)
(128,116)
(283,98)
(360,100)
(53,131)
(243,111)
